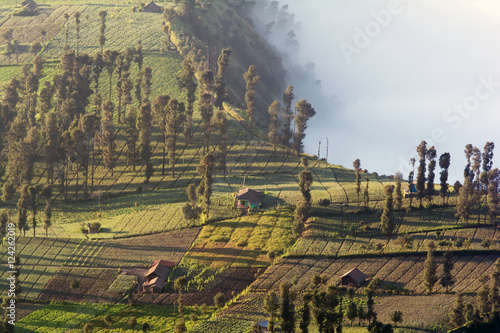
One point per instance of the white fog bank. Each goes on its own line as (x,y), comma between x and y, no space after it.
(394,73)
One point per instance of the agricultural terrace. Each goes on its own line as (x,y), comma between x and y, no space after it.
(72,317)
(44,259)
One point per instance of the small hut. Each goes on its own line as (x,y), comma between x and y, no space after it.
(248,198)
(152,8)
(353,277)
(154,286)
(29,5)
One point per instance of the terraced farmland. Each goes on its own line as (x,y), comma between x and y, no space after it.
(404,271)
(243,242)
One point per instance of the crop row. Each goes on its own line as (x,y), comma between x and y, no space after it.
(405,271)
(478,238)
(32,280)
(138,251)
(242,242)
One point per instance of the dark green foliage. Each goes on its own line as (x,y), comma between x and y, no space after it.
(326,309)
(366,194)
(287,116)
(191,210)
(187,81)
(206,170)
(161,114)
(305,319)
(4,219)
(465,200)
(205,106)
(175,120)
(357,167)
(219,300)
(430,267)
(102,37)
(378,327)
(494,296)
(132,136)
(251,79)
(220,85)
(179,284)
(220,123)
(352,311)
(397,317)
(144,127)
(34,192)
(493,186)
(22,209)
(411,175)
(444,164)
(398,204)
(457,314)
(447,279)
(146,83)
(8,192)
(431,157)
(271,306)
(274,123)
(304,113)
(108,137)
(422,153)
(287,309)
(482,300)
(386,220)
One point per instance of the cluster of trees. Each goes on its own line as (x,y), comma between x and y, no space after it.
(288,128)
(480,181)
(486,314)
(326,307)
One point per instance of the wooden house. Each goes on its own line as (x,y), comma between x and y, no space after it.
(29,5)
(151,7)
(157,271)
(353,277)
(248,198)
(154,285)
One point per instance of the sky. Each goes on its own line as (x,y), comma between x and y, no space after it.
(394,73)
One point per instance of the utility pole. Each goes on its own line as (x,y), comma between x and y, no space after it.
(319,150)
(326,159)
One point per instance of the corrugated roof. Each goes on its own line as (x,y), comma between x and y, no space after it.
(158,270)
(169,264)
(156,282)
(249,195)
(356,275)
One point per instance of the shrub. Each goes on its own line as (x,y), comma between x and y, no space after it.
(459,243)
(444,243)
(324,202)
(193,317)
(74,284)
(219,300)
(96,226)
(486,243)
